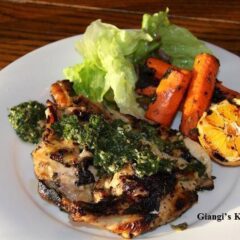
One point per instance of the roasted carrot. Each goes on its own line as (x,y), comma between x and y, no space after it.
(147,91)
(200,92)
(170,93)
(160,67)
(221,92)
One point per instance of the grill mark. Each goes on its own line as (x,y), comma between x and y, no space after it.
(49,194)
(84,175)
(188,198)
(59,155)
(219,157)
(158,185)
(105,207)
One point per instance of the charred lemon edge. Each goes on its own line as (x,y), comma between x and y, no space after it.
(215,155)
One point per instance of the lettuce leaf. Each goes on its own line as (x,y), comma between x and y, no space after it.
(179,43)
(88,80)
(110,53)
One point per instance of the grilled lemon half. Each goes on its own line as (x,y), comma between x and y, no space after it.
(219,132)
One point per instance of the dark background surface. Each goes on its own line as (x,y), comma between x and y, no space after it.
(28,24)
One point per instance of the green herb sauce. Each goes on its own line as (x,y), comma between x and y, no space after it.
(26,119)
(117,143)
(113,144)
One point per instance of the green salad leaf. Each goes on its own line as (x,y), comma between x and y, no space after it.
(179,43)
(108,64)
(109,55)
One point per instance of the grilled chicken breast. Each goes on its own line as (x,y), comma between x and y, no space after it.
(122,202)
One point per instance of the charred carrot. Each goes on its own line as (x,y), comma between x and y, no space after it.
(200,92)
(221,92)
(147,91)
(170,93)
(160,67)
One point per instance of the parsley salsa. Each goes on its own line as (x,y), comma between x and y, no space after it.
(26,119)
(116,143)
(113,144)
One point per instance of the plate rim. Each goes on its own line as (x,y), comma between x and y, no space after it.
(35,51)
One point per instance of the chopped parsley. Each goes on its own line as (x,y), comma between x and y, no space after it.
(26,119)
(115,144)
(68,127)
(180,227)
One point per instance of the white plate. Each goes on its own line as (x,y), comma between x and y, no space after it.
(24,215)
